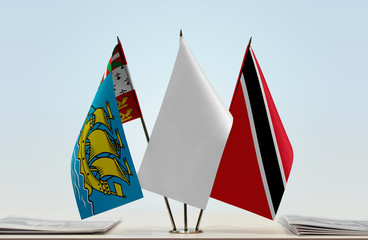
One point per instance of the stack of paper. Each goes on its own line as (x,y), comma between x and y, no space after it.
(322,226)
(43,226)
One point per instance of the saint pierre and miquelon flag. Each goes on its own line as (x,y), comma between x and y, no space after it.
(103,174)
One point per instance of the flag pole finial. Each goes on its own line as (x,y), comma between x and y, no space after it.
(181,33)
(250,41)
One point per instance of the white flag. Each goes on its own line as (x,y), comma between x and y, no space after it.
(188,138)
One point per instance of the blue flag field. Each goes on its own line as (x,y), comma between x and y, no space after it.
(103,174)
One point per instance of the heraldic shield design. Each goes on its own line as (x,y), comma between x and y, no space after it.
(103,173)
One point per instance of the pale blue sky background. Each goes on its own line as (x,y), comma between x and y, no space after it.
(312,53)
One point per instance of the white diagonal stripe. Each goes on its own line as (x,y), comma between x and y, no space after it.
(114,57)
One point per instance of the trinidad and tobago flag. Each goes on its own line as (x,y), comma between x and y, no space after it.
(258,156)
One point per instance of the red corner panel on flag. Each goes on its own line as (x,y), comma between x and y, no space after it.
(258,156)
(128,106)
(124,91)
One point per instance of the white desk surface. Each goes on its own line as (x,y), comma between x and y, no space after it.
(219,226)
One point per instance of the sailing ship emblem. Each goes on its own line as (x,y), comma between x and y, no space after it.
(99,150)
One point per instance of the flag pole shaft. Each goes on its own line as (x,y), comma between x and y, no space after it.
(185,218)
(170,213)
(145,128)
(199,220)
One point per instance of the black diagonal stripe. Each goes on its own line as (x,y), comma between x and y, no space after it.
(263,131)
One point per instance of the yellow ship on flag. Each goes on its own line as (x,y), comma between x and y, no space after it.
(93,167)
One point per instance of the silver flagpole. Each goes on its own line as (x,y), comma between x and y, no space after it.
(170,213)
(185,205)
(147,138)
(199,220)
(185,218)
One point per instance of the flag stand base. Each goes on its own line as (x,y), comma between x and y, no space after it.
(185,230)
(182,231)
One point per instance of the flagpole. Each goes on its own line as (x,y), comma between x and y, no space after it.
(199,220)
(185,218)
(170,214)
(147,138)
(144,128)
(185,205)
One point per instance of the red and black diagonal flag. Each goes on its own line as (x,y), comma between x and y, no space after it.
(257,159)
